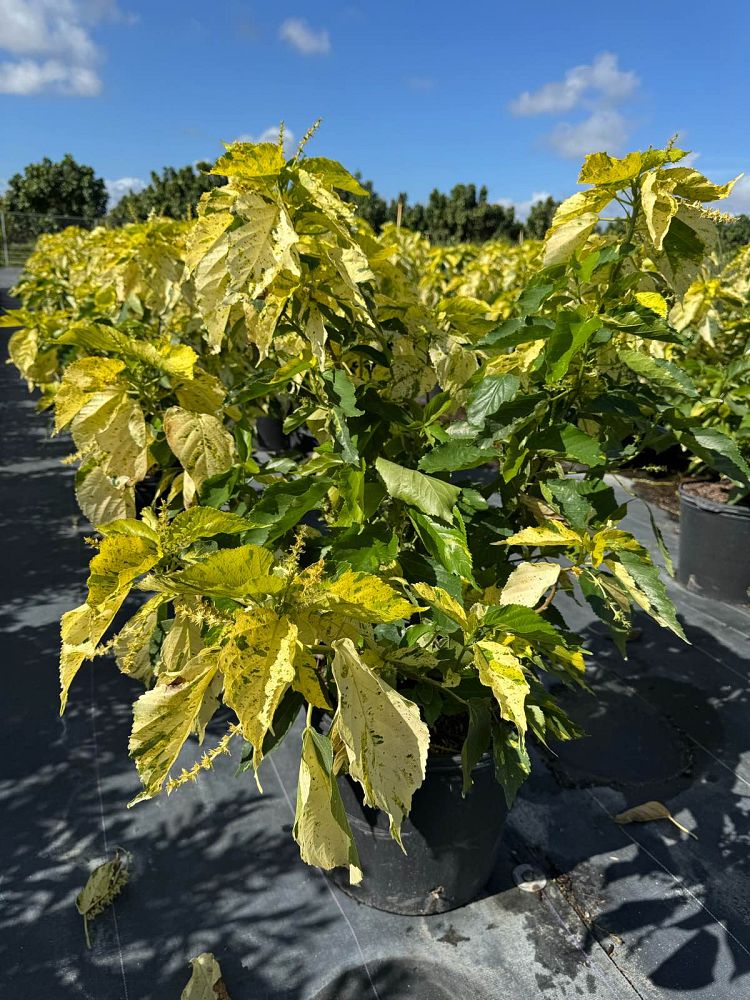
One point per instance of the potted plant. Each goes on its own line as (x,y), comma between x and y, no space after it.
(395,587)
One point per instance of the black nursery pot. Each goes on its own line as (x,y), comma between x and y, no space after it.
(451,842)
(714,548)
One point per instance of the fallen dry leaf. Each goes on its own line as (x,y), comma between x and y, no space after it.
(650,811)
(104,883)
(205,983)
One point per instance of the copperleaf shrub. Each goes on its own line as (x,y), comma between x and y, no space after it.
(400,579)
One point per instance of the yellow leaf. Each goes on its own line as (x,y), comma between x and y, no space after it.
(659,205)
(131,644)
(242,573)
(103,499)
(320,827)
(529,582)
(653,301)
(164,717)
(385,738)
(550,533)
(80,378)
(258,666)
(111,424)
(121,559)
(202,394)
(364,597)
(307,682)
(648,812)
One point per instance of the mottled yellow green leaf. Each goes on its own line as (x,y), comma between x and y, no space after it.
(690,184)
(132,643)
(363,597)
(182,642)
(529,582)
(80,378)
(258,666)
(202,394)
(112,425)
(659,205)
(103,499)
(320,826)
(164,717)
(443,601)
(121,559)
(386,740)
(600,168)
(500,670)
(81,631)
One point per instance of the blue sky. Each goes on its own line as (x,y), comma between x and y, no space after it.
(414,95)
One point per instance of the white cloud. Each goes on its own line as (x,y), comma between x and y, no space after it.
(598,88)
(604,129)
(522,208)
(271,134)
(118,188)
(52,45)
(738,202)
(602,80)
(298,33)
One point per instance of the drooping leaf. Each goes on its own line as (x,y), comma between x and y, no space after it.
(258,667)
(718,451)
(202,444)
(448,545)
(487,398)
(500,670)
(320,826)
(81,630)
(164,717)
(386,740)
(659,372)
(477,739)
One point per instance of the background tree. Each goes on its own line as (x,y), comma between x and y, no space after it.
(540,218)
(52,189)
(174,193)
(734,234)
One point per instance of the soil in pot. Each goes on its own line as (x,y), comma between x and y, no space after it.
(714,542)
(451,842)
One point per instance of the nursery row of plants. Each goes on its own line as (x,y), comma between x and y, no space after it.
(345,475)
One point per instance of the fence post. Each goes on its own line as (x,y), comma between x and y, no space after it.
(4,234)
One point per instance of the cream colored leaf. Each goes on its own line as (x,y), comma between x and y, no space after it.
(386,740)
(321,827)
(164,717)
(103,499)
(202,394)
(202,444)
(81,631)
(206,982)
(182,642)
(562,241)
(648,812)
(500,670)
(258,666)
(529,582)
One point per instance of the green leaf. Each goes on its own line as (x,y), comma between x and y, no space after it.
(487,398)
(512,763)
(569,441)
(477,739)
(320,826)
(514,619)
(342,391)
(283,504)
(432,496)
(658,372)
(642,580)
(386,741)
(568,337)
(202,522)
(455,455)
(448,545)
(719,451)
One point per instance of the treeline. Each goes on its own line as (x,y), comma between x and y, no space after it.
(465,215)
